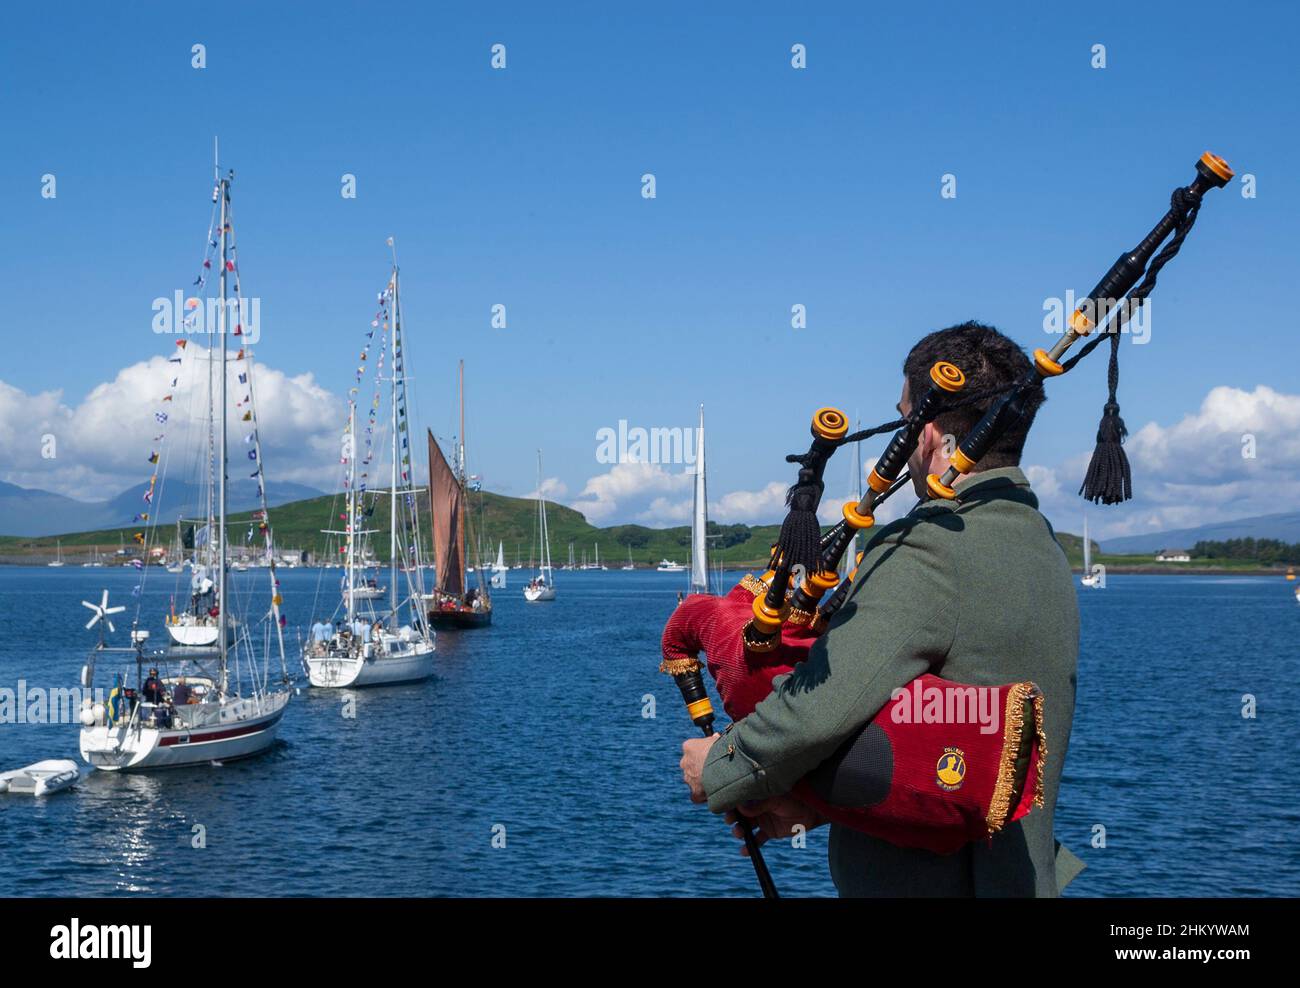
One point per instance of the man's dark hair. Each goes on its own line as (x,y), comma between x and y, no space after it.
(989,360)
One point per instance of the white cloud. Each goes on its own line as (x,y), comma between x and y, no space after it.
(553,489)
(1193,471)
(759,507)
(608,494)
(102,443)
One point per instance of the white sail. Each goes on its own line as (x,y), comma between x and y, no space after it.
(700,520)
(499,568)
(542,586)
(1089,578)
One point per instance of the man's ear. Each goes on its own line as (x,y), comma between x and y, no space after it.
(930,441)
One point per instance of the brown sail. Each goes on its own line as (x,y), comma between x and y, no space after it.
(447,507)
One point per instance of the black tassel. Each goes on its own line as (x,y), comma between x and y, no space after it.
(800,539)
(1109,479)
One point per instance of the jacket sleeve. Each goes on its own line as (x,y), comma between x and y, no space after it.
(898,623)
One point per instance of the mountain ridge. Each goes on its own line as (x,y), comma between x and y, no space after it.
(1284,525)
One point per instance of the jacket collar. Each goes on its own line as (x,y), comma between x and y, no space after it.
(1000,482)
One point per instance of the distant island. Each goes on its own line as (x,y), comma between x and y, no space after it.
(496,518)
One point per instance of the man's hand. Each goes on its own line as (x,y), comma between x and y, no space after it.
(776,816)
(694,752)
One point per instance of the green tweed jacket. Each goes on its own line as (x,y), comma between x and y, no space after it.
(975,590)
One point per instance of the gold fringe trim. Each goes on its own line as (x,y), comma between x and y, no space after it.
(1012,730)
(753,584)
(798,618)
(675,667)
(1042,747)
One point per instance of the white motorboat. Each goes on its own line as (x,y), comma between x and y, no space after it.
(41,778)
(665,566)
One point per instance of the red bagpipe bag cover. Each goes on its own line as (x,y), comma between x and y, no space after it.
(951,783)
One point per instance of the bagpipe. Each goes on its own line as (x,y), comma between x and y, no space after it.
(920,794)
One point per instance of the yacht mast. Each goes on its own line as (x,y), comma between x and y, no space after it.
(392,500)
(212,480)
(352,511)
(545,547)
(223,618)
(699,582)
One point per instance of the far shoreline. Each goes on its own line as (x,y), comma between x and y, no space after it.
(1144,569)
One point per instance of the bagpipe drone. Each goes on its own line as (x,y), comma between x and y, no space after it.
(767,624)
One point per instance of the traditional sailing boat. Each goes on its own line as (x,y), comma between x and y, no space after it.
(699,579)
(454,605)
(362,647)
(542,586)
(212,705)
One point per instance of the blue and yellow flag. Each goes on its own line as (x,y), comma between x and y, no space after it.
(113,708)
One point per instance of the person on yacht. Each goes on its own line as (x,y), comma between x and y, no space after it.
(152,690)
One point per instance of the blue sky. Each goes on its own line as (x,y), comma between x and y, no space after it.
(775,187)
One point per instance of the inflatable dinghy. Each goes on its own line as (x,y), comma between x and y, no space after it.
(40,779)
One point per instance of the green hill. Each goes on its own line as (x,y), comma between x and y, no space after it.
(510,520)
(498,518)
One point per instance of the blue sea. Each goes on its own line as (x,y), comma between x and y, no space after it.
(529,767)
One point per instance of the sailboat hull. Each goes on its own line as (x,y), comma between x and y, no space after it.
(351,671)
(535,596)
(240,729)
(459,619)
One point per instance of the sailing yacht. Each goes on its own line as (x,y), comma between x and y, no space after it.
(362,647)
(630,565)
(499,568)
(57,561)
(542,586)
(208,705)
(455,604)
(1089,578)
(196,624)
(176,555)
(699,579)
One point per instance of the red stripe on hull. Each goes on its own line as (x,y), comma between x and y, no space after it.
(232,732)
